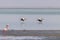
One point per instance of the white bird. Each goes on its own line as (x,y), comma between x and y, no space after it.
(22,19)
(40,19)
(6,28)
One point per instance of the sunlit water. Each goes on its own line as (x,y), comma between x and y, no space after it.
(12,17)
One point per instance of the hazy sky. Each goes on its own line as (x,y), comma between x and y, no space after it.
(30,3)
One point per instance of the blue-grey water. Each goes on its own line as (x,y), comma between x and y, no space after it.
(51,19)
(12,17)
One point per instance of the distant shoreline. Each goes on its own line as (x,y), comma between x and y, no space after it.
(29,8)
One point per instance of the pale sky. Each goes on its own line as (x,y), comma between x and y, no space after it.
(29,3)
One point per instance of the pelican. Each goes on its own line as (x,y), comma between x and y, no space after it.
(6,28)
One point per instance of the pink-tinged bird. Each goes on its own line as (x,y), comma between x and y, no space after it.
(6,28)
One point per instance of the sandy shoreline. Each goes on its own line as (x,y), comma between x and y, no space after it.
(30,33)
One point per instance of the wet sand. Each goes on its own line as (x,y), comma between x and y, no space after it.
(30,33)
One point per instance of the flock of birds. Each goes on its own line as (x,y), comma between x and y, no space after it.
(21,19)
(39,19)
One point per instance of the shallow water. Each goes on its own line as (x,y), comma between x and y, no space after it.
(50,22)
(12,17)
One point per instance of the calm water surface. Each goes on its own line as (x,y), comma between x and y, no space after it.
(12,17)
(50,22)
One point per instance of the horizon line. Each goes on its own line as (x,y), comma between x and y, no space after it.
(29,8)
